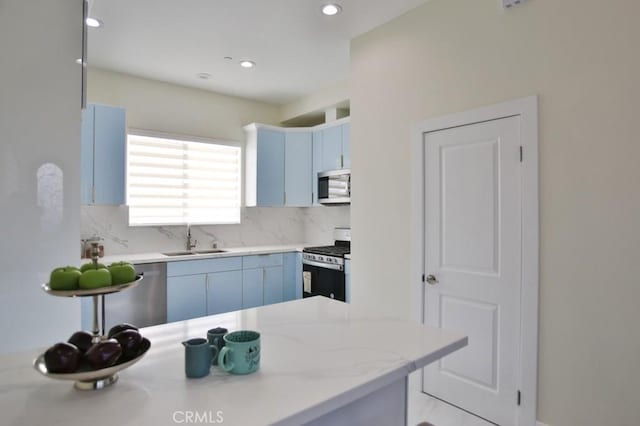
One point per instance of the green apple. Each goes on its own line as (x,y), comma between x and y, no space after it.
(95,278)
(90,265)
(65,278)
(122,272)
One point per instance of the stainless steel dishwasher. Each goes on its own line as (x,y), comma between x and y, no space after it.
(142,306)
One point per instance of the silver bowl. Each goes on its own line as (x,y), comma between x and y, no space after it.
(92,379)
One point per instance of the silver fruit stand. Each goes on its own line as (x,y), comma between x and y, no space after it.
(87,379)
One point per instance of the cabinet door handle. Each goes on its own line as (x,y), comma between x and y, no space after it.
(341,161)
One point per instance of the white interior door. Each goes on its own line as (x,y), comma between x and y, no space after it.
(473,248)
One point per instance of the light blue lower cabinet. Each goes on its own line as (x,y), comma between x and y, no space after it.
(347,280)
(272,285)
(292,276)
(252,295)
(263,280)
(186,297)
(224,292)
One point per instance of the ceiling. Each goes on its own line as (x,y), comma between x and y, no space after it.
(297,50)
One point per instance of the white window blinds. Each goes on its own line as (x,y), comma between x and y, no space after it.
(178,182)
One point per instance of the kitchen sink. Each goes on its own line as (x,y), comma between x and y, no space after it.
(194,252)
(210,251)
(179,253)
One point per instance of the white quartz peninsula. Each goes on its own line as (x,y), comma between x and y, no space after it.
(323,363)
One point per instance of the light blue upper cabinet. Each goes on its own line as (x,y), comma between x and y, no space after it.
(270,168)
(282,165)
(86,156)
(104,139)
(332,148)
(346,146)
(224,292)
(317,164)
(298,170)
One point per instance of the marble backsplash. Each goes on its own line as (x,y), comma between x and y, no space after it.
(259,226)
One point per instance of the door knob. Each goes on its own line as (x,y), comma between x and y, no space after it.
(431,279)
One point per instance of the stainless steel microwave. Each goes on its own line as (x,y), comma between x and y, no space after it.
(334,187)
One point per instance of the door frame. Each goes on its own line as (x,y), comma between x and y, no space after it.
(527,109)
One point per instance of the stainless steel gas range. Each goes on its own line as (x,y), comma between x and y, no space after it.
(323,267)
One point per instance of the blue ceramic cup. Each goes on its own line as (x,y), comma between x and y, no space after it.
(215,338)
(198,357)
(241,353)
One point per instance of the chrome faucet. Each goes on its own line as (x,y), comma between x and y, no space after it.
(190,245)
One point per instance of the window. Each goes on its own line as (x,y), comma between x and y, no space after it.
(173,181)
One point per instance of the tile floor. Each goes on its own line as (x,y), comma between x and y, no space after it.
(423,408)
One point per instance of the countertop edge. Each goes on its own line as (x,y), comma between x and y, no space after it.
(338,401)
(154,257)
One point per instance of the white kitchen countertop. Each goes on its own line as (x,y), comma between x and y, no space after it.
(317,356)
(152,257)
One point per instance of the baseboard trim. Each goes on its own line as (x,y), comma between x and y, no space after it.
(541,424)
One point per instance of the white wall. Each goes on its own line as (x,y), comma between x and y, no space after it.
(581,57)
(39,124)
(337,94)
(165,107)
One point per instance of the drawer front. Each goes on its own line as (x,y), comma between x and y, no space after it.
(203,266)
(262,261)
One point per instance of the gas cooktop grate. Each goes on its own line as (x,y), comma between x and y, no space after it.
(337,251)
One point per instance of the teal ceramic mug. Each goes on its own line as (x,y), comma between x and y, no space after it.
(241,353)
(198,357)
(216,338)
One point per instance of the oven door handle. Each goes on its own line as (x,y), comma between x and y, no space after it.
(323,265)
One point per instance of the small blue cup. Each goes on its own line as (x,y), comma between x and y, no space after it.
(198,357)
(216,338)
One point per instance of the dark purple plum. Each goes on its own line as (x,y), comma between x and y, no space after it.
(62,358)
(121,327)
(103,354)
(82,340)
(130,341)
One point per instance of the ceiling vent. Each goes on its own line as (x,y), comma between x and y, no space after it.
(509,3)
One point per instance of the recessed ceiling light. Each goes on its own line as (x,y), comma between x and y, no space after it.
(228,58)
(247,64)
(203,75)
(331,9)
(93,22)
